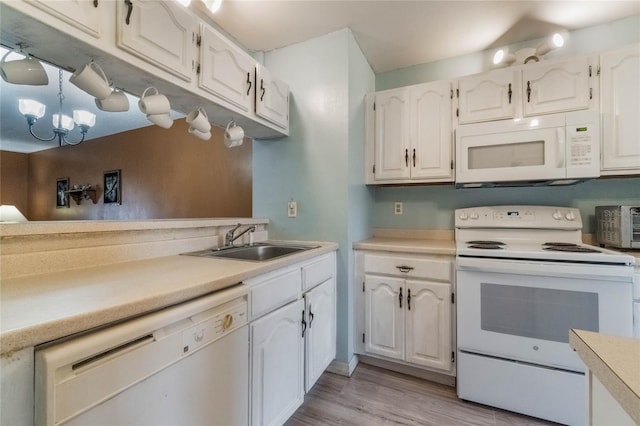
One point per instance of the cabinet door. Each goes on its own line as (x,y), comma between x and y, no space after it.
(620,108)
(277,376)
(384,316)
(428,318)
(556,87)
(488,96)
(85,15)
(320,340)
(160,32)
(272,98)
(225,70)
(391,139)
(430,131)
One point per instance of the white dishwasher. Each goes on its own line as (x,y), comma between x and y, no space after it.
(184,365)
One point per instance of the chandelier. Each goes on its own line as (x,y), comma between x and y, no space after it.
(62,124)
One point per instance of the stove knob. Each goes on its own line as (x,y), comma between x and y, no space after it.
(463,216)
(557,215)
(570,216)
(474,216)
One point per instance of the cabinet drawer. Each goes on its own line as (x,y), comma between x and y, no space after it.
(318,271)
(270,292)
(418,267)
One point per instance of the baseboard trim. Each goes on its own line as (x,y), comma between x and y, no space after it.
(441,378)
(343,368)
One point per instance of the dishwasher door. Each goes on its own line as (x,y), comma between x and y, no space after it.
(184,365)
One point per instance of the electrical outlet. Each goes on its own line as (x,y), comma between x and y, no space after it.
(397,208)
(292,209)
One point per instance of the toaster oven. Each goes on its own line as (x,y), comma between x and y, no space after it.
(618,226)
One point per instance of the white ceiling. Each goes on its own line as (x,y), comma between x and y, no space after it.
(392,34)
(396,34)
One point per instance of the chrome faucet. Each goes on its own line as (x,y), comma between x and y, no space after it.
(229,237)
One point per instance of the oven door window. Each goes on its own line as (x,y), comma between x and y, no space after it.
(539,313)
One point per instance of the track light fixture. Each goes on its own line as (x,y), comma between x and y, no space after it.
(503,57)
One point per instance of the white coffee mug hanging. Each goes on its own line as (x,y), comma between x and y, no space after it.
(92,80)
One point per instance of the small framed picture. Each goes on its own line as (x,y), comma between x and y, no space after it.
(112,187)
(62,192)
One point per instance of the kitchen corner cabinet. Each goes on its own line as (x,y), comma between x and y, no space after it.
(620,109)
(272,98)
(528,90)
(293,336)
(411,135)
(162,33)
(406,308)
(83,15)
(226,71)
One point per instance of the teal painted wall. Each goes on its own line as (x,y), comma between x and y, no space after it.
(319,164)
(431,207)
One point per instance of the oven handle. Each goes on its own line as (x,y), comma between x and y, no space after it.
(619,273)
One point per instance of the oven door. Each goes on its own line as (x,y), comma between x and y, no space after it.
(523,310)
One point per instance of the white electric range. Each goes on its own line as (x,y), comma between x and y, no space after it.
(524,279)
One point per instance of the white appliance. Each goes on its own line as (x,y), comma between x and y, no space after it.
(185,365)
(556,149)
(524,279)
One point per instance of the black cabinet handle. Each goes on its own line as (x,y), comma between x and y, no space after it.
(528,91)
(405,268)
(129,4)
(249,83)
(400,298)
(95,3)
(262,89)
(510,92)
(304,324)
(406,157)
(414,157)
(310,316)
(409,299)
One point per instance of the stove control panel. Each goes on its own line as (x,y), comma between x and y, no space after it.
(548,217)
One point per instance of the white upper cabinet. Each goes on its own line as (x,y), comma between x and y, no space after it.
(410,134)
(558,86)
(160,32)
(226,71)
(391,134)
(620,108)
(528,90)
(272,98)
(488,96)
(430,131)
(85,15)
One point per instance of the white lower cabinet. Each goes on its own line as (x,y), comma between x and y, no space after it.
(277,361)
(320,336)
(406,309)
(292,342)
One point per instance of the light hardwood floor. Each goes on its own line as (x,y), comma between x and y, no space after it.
(374,396)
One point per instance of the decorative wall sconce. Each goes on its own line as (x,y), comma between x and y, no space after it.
(62,124)
(503,57)
(80,192)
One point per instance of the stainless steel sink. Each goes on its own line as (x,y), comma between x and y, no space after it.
(256,252)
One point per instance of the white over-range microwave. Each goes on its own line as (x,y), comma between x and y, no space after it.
(556,149)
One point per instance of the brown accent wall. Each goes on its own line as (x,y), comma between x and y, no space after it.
(14,180)
(165,173)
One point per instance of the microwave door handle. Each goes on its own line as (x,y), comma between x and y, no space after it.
(560,148)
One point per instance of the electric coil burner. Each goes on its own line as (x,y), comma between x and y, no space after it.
(524,279)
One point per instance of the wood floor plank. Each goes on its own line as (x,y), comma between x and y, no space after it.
(375,396)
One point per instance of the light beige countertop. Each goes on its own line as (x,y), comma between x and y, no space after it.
(39,308)
(615,361)
(408,245)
